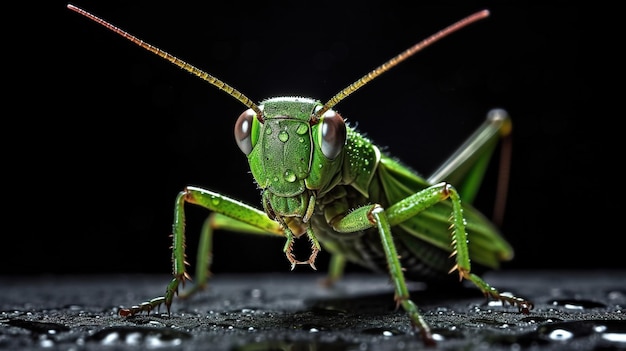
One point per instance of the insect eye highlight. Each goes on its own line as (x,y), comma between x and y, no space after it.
(332,134)
(243,131)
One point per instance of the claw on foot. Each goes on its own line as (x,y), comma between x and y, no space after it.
(524,306)
(425,334)
(125,312)
(419,325)
(292,258)
(147,306)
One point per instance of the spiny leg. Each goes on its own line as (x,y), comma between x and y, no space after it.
(418,202)
(228,214)
(463,265)
(373,215)
(402,293)
(467,166)
(522,304)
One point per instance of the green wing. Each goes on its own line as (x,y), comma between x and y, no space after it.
(486,245)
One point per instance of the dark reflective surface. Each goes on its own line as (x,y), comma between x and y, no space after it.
(573,311)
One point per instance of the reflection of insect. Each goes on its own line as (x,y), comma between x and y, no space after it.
(323,180)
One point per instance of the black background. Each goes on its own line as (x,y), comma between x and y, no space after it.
(105,134)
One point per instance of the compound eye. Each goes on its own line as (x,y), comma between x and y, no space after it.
(333,134)
(243,129)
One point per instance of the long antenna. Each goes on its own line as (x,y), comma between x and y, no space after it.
(401,57)
(173,59)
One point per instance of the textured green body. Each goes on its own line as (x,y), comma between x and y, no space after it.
(423,241)
(296,172)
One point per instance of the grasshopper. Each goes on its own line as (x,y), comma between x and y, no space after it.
(322,180)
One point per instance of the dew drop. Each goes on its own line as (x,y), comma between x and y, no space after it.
(615,337)
(442,310)
(256,293)
(283,136)
(616,294)
(135,336)
(495,303)
(73,307)
(564,331)
(560,335)
(314,328)
(538,319)
(613,331)
(438,337)
(110,338)
(302,129)
(577,304)
(289,176)
(382,331)
(46,343)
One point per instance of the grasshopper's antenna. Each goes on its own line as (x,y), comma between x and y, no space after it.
(173,59)
(401,57)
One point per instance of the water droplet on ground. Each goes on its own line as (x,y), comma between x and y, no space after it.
(140,336)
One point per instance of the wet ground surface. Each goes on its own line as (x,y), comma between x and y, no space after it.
(291,311)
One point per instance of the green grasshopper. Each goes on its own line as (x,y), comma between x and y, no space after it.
(322,180)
